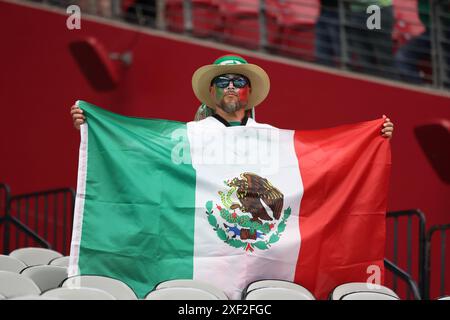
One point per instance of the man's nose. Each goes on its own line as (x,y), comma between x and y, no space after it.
(230,84)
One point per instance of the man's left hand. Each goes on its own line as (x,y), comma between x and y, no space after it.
(388,128)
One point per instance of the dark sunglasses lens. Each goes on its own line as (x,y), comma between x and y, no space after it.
(240,82)
(221,82)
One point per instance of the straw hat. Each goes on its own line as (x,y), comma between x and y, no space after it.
(259,80)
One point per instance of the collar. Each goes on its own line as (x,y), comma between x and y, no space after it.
(225,122)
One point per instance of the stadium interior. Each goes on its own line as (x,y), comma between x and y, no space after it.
(131,55)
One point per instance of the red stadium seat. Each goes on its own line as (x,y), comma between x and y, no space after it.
(297,21)
(206,19)
(241,22)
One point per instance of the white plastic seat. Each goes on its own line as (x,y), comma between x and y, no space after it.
(45,276)
(353,287)
(269,293)
(35,256)
(179,293)
(118,289)
(31,297)
(14,284)
(11,264)
(279,284)
(444,298)
(368,296)
(78,294)
(60,261)
(189,283)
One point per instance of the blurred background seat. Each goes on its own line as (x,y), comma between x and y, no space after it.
(178,293)
(35,256)
(280,293)
(188,283)
(8,263)
(13,284)
(60,261)
(78,294)
(360,287)
(278,284)
(116,288)
(45,276)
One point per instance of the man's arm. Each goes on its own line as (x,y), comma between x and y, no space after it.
(77,116)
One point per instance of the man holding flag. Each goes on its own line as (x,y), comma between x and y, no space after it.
(225,199)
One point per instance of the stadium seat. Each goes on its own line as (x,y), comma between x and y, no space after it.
(78,294)
(13,284)
(297,20)
(31,297)
(177,293)
(118,289)
(278,284)
(187,283)
(46,277)
(205,17)
(35,256)
(60,261)
(8,263)
(241,22)
(360,287)
(444,298)
(368,296)
(270,293)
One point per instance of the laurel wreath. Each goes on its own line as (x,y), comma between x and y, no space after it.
(244,221)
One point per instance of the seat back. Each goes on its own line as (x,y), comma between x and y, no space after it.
(276,294)
(8,263)
(78,294)
(13,284)
(178,293)
(34,256)
(279,284)
(118,289)
(352,287)
(368,296)
(60,261)
(45,276)
(188,283)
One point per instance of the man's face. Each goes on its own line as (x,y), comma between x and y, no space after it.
(230,92)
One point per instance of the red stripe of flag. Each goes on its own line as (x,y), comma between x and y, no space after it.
(345,173)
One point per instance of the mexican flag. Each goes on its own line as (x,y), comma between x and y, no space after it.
(160,200)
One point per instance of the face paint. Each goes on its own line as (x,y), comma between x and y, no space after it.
(230,99)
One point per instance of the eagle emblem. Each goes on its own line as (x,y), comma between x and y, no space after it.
(250,214)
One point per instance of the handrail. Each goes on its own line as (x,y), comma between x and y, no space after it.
(422,241)
(443,228)
(405,276)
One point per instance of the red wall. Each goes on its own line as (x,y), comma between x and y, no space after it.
(39,81)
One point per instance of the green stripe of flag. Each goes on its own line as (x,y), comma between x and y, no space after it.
(138,221)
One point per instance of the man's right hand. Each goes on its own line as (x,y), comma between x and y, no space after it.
(77,116)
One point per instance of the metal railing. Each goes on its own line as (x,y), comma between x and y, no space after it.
(443,245)
(412,44)
(406,277)
(410,215)
(40,218)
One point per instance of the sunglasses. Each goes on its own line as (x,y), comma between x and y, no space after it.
(223,81)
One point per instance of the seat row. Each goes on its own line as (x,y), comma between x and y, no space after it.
(41,274)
